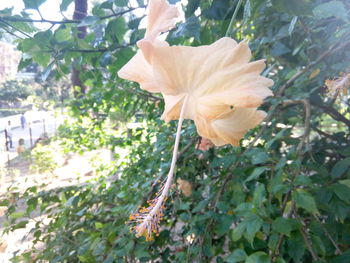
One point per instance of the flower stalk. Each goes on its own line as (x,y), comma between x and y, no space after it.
(148,218)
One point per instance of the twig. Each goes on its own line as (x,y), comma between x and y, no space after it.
(275,253)
(304,141)
(337,249)
(304,234)
(41,16)
(188,146)
(142,94)
(308,244)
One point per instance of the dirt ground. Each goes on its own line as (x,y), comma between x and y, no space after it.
(74,169)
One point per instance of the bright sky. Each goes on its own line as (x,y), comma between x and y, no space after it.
(50,10)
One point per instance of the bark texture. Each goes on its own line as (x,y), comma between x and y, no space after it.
(80,12)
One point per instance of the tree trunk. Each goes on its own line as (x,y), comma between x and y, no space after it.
(80,12)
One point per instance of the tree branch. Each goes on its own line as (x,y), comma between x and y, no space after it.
(335,47)
(14,27)
(305,138)
(320,132)
(71,21)
(11,33)
(333,113)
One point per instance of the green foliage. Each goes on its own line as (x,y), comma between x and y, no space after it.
(43,159)
(282,199)
(12,91)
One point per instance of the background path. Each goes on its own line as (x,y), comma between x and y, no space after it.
(38,122)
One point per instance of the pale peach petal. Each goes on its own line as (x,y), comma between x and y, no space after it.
(215,77)
(139,70)
(161,18)
(222,88)
(172,107)
(232,127)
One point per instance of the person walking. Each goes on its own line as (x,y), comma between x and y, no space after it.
(9,133)
(23,121)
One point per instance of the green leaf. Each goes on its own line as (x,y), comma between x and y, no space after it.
(29,46)
(63,34)
(292,25)
(296,246)
(116,29)
(238,231)
(45,74)
(121,3)
(247,12)
(17,215)
(191,28)
(255,174)
(284,226)
(259,195)
(258,257)
(342,191)
(295,7)
(304,200)
(303,180)
(141,253)
(32,4)
(254,223)
(200,206)
(123,56)
(340,167)
(64,4)
(24,26)
(21,224)
(24,63)
(134,23)
(105,59)
(331,8)
(236,256)
(4,202)
(259,158)
(217,9)
(42,59)
(273,240)
(318,245)
(107,5)
(223,225)
(32,204)
(72,201)
(344,258)
(279,49)
(98,225)
(345,182)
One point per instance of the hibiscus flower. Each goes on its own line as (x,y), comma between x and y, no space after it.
(214,85)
